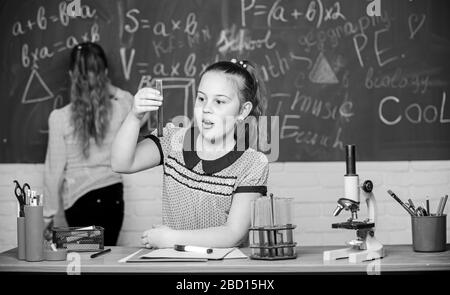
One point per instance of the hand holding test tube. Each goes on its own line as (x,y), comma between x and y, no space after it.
(147,99)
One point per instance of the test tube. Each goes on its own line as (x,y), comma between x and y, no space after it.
(159,87)
(258,212)
(253,236)
(283,218)
(290,240)
(271,233)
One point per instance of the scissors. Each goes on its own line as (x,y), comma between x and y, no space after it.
(420,211)
(20,191)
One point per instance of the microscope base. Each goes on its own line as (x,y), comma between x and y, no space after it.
(354,255)
(369,250)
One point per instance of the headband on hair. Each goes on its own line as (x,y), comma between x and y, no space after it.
(242,63)
(81,46)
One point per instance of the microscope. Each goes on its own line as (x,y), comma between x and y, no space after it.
(365,246)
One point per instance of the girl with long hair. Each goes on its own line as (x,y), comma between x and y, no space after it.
(78,172)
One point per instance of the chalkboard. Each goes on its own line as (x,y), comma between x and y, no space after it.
(336,75)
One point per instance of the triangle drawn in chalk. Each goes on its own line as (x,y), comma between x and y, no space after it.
(41,84)
(322,73)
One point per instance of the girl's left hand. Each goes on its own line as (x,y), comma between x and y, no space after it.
(48,232)
(157,237)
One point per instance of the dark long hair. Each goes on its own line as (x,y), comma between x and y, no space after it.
(91,106)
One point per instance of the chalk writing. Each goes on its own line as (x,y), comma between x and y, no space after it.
(415,22)
(134,22)
(26,99)
(415,113)
(132,17)
(324,110)
(382,54)
(333,35)
(271,68)
(42,20)
(316,12)
(290,130)
(234,40)
(322,72)
(319,13)
(126,65)
(397,80)
(330,69)
(30,57)
(275,12)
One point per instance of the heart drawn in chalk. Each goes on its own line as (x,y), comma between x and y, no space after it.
(415,22)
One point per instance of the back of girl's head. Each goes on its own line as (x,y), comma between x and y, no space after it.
(249,81)
(88,57)
(89,93)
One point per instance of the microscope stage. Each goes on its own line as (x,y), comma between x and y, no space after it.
(353,225)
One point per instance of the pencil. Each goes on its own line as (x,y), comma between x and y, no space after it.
(393,195)
(443,205)
(439,206)
(100,253)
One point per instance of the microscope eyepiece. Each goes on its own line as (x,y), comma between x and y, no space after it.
(350,159)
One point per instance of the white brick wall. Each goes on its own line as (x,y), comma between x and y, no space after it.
(315,187)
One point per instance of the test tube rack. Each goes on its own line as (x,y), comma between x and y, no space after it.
(272,242)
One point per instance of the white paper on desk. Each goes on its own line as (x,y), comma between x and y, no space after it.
(235,254)
(125,259)
(170,253)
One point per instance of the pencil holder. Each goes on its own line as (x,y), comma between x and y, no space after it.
(34,233)
(429,233)
(79,239)
(271,234)
(21,238)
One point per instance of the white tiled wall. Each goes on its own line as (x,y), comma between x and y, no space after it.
(315,187)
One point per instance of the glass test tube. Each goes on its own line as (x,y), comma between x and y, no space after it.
(259,220)
(283,218)
(159,87)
